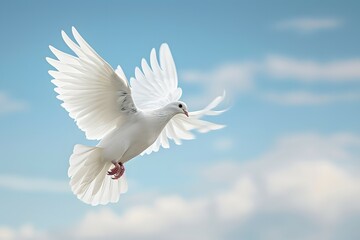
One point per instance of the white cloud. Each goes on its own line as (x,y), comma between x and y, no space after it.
(25,232)
(224,143)
(224,172)
(306,176)
(320,189)
(6,233)
(309,146)
(306,185)
(243,78)
(309,70)
(306,25)
(240,201)
(309,98)
(234,78)
(312,175)
(167,217)
(9,104)
(28,184)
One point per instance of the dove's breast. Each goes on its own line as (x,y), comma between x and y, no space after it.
(131,139)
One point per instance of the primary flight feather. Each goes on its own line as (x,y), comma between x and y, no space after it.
(128,119)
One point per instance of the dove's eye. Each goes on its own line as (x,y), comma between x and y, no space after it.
(180,105)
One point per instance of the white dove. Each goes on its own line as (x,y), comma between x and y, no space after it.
(128,121)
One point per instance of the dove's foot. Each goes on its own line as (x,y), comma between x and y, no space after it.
(117,171)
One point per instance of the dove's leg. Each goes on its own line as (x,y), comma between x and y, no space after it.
(117,171)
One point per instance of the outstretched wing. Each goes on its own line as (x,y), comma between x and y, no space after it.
(180,127)
(156,86)
(96,97)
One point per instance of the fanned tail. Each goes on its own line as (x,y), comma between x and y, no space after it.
(89,181)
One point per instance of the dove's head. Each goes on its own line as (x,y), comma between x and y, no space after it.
(179,107)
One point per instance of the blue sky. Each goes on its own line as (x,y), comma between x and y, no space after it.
(287,162)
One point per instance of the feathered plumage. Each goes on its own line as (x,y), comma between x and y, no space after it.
(128,119)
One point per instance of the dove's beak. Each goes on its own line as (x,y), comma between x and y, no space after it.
(186,113)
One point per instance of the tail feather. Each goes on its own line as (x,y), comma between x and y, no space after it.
(89,180)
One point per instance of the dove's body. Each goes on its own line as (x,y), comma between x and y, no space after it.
(128,121)
(133,137)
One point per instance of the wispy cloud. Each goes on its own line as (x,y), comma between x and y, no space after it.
(235,78)
(28,184)
(309,98)
(223,143)
(307,24)
(27,232)
(243,78)
(309,70)
(308,183)
(9,104)
(300,179)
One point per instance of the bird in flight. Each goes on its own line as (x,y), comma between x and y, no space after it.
(129,119)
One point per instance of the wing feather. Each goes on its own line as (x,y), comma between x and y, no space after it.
(155,85)
(96,96)
(180,127)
